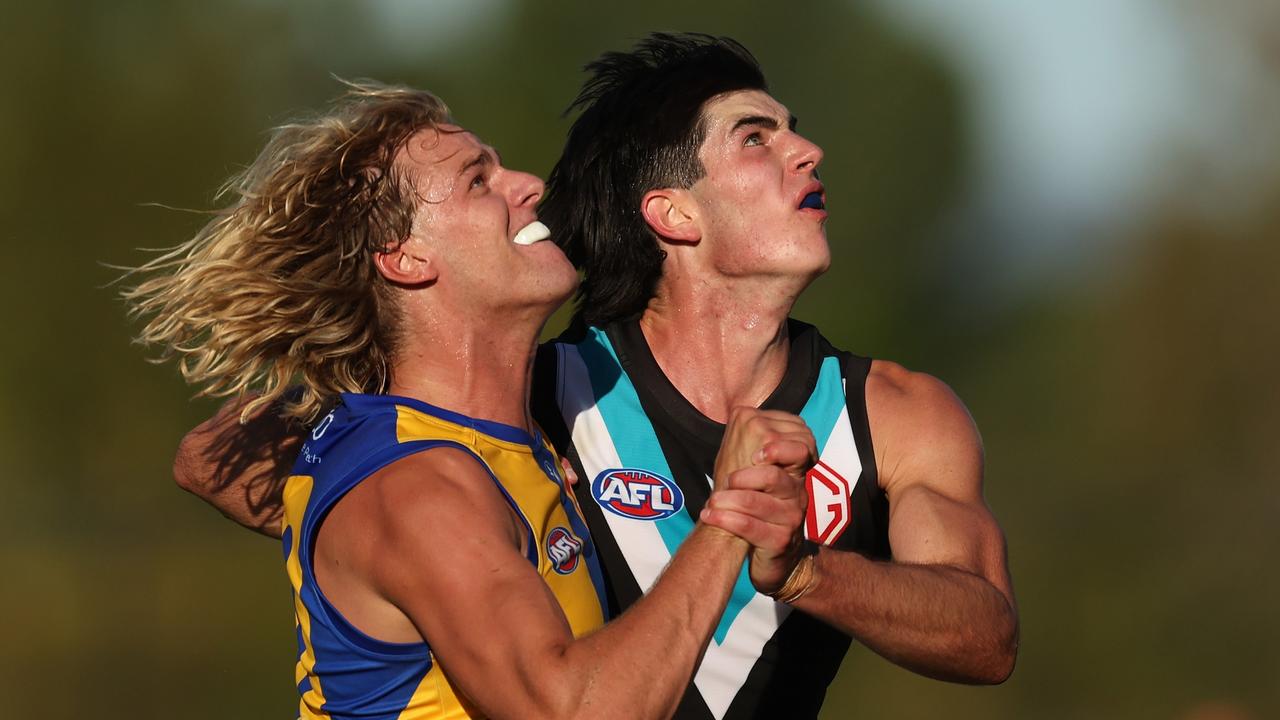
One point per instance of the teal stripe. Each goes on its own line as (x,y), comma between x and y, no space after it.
(629,428)
(822,410)
(637,445)
(742,593)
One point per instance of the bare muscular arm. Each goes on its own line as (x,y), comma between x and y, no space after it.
(240,469)
(944,607)
(427,548)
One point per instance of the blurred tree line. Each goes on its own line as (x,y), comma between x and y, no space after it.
(1128,411)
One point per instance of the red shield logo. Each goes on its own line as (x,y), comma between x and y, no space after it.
(828,504)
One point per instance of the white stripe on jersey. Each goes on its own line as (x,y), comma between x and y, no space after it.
(724,666)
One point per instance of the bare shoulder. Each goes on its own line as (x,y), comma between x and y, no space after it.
(415,548)
(427,494)
(895,391)
(921,431)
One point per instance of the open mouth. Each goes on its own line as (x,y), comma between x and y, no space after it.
(532,233)
(813,201)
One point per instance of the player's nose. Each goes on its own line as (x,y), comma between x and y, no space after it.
(525,188)
(807,156)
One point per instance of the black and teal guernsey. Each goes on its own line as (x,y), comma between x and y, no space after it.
(644,457)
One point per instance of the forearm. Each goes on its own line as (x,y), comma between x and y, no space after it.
(241,502)
(661,638)
(936,620)
(239,468)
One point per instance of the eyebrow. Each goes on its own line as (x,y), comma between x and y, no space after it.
(764,121)
(481,158)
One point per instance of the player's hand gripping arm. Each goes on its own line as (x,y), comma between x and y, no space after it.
(432,537)
(763,503)
(240,469)
(944,607)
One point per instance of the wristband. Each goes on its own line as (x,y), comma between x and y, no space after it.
(801,579)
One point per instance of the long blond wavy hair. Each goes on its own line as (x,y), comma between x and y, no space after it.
(280,286)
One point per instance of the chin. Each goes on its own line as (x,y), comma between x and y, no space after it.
(810,258)
(816,257)
(561,286)
(564,273)
(822,266)
(559,283)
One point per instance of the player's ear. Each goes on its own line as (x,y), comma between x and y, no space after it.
(407,264)
(671,213)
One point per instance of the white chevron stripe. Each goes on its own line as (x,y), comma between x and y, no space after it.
(840,452)
(724,666)
(639,541)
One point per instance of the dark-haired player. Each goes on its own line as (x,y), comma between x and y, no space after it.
(694,210)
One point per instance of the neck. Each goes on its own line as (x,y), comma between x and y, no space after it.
(720,347)
(481,370)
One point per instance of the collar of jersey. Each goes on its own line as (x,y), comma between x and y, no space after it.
(636,357)
(507,433)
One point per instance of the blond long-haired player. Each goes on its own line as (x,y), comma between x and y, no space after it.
(383,260)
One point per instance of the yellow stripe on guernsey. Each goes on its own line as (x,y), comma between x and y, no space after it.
(539,502)
(297,491)
(343,673)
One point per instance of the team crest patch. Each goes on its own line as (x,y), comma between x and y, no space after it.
(563,550)
(828,514)
(637,494)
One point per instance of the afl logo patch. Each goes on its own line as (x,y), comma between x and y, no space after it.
(637,494)
(563,550)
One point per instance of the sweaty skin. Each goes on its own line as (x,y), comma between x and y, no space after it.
(428,547)
(741,245)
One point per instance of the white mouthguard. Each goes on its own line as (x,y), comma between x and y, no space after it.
(532,233)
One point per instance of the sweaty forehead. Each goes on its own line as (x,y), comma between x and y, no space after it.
(727,108)
(441,145)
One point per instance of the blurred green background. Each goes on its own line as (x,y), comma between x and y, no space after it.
(1068,211)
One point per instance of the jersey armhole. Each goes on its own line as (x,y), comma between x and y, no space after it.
(348,633)
(856,371)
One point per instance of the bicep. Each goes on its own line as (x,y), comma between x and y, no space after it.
(930,528)
(451,562)
(937,513)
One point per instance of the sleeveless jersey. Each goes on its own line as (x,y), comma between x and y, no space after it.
(644,457)
(344,673)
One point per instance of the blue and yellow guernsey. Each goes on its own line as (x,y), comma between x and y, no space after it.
(344,673)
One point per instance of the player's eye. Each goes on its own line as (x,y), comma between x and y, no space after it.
(478,181)
(753,139)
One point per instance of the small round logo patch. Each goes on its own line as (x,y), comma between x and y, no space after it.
(563,550)
(637,494)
